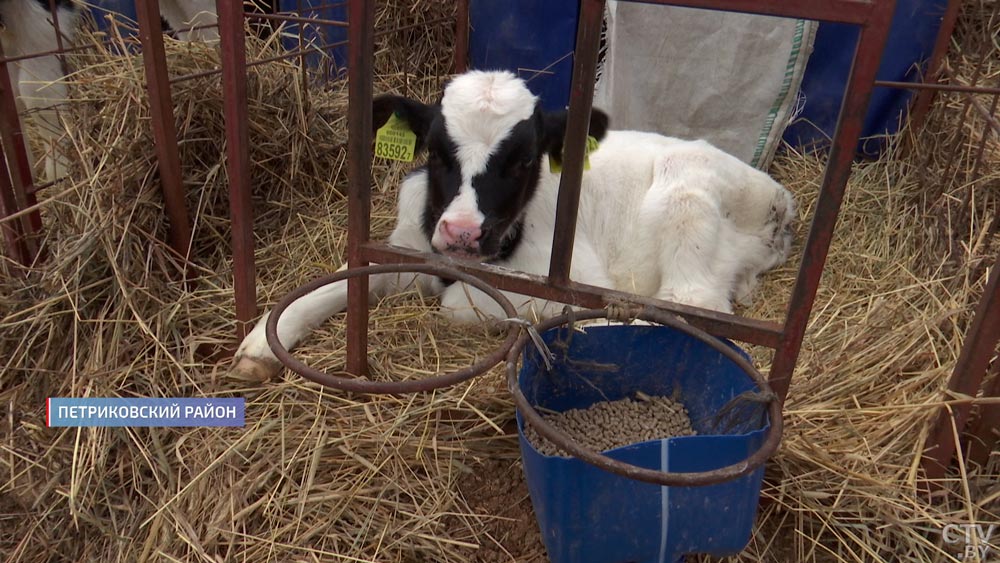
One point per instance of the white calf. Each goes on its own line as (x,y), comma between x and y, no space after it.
(660,217)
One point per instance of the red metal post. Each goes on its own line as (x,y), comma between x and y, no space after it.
(234,88)
(924,98)
(581,99)
(361,39)
(161,109)
(973,361)
(12,234)
(938,87)
(298,19)
(852,114)
(729,326)
(19,166)
(54,12)
(462,37)
(983,436)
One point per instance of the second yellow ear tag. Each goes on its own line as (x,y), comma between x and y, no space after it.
(592,144)
(395,140)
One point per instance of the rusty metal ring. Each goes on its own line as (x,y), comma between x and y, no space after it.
(368,386)
(663,478)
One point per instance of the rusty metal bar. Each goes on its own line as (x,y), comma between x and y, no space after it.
(54,11)
(966,379)
(958,88)
(296,19)
(983,436)
(976,74)
(161,109)
(234,89)
(361,385)
(867,55)
(12,138)
(30,199)
(988,115)
(34,216)
(77,49)
(720,324)
(361,37)
(922,103)
(12,230)
(299,52)
(984,139)
(276,58)
(461,37)
(12,234)
(843,11)
(581,99)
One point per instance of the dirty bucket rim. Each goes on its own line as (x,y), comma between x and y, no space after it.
(358,385)
(663,478)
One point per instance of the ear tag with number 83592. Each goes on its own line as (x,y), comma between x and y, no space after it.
(592,144)
(395,140)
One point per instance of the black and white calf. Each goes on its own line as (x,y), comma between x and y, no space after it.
(26,28)
(660,217)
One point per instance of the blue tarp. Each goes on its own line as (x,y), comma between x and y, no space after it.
(124,9)
(911,40)
(319,35)
(533,38)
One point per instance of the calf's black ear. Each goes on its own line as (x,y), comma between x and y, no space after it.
(416,114)
(555,130)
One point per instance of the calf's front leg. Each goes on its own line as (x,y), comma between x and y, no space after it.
(254,359)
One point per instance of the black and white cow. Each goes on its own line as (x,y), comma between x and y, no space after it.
(27,27)
(660,217)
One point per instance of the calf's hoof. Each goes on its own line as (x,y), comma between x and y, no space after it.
(255,369)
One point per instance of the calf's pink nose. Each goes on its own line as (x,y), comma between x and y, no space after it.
(461,233)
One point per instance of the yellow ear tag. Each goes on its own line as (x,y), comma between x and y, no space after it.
(395,140)
(592,144)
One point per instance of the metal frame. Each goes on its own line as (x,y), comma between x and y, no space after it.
(873,18)
(20,221)
(164,129)
(356,385)
(17,188)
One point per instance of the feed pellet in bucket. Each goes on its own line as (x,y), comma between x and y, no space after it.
(607,425)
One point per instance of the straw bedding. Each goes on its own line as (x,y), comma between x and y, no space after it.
(323,476)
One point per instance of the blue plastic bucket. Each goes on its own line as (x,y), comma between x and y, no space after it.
(588,514)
